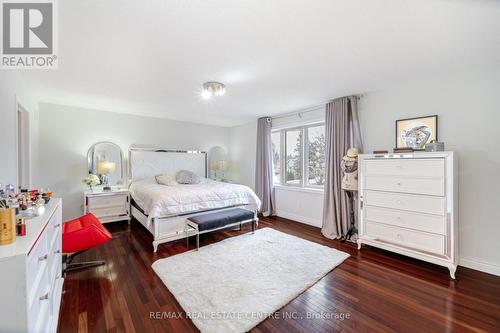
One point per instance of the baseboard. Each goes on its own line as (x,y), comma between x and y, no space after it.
(480,265)
(472,263)
(302,219)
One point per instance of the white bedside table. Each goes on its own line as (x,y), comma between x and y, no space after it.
(108,206)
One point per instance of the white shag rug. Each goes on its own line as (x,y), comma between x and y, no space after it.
(232,285)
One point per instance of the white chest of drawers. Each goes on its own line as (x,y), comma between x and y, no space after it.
(108,206)
(407,204)
(31,275)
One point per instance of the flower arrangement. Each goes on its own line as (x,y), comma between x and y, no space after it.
(91,180)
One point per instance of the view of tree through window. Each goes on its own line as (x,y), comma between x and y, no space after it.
(276,147)
(316,155)
(300,159)
(293,142)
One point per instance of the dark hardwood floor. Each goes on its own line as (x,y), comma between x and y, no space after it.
(374,291)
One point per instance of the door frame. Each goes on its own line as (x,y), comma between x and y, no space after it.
(23,146)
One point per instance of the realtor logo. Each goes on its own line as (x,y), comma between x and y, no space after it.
(28,34)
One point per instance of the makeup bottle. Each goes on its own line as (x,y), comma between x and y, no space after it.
(20,226)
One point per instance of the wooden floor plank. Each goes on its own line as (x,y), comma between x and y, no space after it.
(378,290)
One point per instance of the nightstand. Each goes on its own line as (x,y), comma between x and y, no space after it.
(108,206)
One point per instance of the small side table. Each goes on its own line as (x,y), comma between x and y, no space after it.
(108,206)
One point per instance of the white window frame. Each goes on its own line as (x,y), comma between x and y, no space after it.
(280,152)
(304,156)
(301,156)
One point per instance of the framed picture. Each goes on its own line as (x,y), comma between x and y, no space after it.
(416,132)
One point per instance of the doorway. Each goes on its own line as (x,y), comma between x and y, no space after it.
(23,147)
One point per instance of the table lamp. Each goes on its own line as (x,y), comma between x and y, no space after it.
(221,166)
(104,168)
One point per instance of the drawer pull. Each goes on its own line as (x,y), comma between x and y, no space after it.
(44,297)
(57,251)
(44,257)
(399,183)
(57,225)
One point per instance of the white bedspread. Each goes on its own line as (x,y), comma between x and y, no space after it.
(161,200)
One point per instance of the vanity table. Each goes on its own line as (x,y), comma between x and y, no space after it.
(31,274)
(105,159)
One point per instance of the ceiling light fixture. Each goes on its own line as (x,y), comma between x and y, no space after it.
(213,88)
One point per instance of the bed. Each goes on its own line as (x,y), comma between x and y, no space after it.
(163,209)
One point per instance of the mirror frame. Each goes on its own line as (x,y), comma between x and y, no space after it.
(90,160)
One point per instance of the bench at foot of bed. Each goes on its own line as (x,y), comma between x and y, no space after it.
(203,223)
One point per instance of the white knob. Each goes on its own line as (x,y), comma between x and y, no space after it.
(44,297)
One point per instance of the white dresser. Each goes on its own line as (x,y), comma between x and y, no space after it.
(108,206)
(31,275)
(408,205)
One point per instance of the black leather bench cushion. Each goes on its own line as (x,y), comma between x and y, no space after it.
(220,219)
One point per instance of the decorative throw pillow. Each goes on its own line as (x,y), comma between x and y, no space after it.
(168,180)
(187,177)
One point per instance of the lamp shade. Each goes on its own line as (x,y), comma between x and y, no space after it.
(105,167)
(218,165)
(222,165)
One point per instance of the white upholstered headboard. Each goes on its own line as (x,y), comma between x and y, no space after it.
(147,162)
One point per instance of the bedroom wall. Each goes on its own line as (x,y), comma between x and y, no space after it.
(13,91)
(468,106)
(66,133)
(242,153)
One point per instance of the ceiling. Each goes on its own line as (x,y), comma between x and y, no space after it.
(151,57)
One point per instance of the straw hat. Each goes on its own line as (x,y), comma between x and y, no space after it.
(352,155)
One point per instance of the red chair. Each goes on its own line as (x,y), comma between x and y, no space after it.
(79,235)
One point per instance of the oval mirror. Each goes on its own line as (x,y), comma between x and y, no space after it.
(217,163)
(105,159)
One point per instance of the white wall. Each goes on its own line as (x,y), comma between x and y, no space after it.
(66,133)
(12,92)
(468,106)
(242,153)
(8,164)
(302,205)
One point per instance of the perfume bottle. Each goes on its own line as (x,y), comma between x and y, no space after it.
(20,226)
(7,226)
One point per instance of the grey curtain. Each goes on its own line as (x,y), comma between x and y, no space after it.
(264,167)
(342,132)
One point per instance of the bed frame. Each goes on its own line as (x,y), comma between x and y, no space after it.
(146,162)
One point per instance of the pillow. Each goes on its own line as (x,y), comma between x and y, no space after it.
(168,180)
(187,177)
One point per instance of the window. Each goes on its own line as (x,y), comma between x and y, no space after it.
(316,155)
(293,157)
(276,151)
(299,156)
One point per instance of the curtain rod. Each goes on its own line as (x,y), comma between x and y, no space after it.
(299,113)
